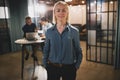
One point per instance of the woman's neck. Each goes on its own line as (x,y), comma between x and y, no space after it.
(61,24)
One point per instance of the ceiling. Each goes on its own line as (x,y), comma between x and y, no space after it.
(77,2)
(73,2)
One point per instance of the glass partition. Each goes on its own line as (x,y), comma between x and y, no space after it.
(101,23)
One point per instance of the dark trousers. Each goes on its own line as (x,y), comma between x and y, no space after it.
(34,48)
(67,72)
(34,51)
(42,45)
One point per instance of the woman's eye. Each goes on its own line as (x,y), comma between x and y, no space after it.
(57,10)
(60,10)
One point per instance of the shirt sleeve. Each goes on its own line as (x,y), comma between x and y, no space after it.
(46,50)
(24,31)
(78,50)
(23,28)
(35,27)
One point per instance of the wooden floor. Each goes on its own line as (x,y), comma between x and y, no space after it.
(10,68)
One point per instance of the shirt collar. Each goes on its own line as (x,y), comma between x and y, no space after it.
(67,27)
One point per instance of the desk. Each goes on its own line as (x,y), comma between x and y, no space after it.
(26,42)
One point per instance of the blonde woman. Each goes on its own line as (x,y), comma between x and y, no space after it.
(62,54)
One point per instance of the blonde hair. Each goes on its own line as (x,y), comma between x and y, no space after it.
(60,3)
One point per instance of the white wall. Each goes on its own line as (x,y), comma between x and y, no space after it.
(77,14)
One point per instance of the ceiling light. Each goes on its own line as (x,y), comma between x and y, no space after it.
(83,2)
(68,0)
(111,2)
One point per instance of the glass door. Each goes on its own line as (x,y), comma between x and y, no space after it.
(101,25)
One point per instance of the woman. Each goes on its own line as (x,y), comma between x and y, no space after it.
(45,24)
(62,54)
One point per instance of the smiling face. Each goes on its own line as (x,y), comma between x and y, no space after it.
(61,12)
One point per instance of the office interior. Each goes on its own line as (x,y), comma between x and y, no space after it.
(98,22)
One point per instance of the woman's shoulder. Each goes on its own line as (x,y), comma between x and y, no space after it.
(73,28)
(50,29)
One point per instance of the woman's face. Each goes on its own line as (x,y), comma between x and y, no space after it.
(61,12)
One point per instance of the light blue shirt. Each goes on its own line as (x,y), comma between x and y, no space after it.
(62,48)
(45,27)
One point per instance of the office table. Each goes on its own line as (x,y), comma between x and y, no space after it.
(23,42)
